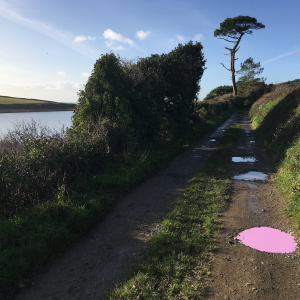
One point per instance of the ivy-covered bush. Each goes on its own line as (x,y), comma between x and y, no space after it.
(144,102)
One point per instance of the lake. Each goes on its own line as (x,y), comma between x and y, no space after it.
(52,119)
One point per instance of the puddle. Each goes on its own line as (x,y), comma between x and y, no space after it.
(212,140)
(243,159)
(251,176)
(267,239)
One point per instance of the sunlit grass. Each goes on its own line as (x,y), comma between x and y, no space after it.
(278,123)
(13,100)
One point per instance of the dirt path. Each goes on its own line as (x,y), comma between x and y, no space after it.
(93,266)
(238,271)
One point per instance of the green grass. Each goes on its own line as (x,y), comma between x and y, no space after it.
(175,262)
(14,100)
(289,181)
(34,235)
(264,109)
(279,129)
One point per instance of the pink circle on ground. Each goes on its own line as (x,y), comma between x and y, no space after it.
(268,239)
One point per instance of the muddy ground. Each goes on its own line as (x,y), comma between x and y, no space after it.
(238,271)
(94,265)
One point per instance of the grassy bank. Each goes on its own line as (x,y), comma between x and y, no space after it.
(13,104)
(277,119)
(15,100)
(76,186)
(175,261)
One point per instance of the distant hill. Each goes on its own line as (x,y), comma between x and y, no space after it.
(14,104)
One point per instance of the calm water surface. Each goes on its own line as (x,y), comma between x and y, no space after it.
(54,119)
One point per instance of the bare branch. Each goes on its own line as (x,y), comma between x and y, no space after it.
(236,50)
(225,67)
(220,38)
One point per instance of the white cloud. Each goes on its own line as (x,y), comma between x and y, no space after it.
(142,34)
(83,38)
(198,37)
(61,73)
(85,75)
(181,38)
(114,38)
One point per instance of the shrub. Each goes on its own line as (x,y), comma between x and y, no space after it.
(35,163)
(150,101)
(219,91)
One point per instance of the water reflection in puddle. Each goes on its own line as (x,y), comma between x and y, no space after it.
(243,159)
(251,176)
(268,239)
(212,140)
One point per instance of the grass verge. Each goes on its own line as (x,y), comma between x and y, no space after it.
(35,235)
(279,128)
(289,181)
(175,261)
(15,100)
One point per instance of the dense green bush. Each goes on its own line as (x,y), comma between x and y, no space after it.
(150,101)
(219,91)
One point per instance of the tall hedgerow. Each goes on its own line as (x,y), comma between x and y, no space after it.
(144,102)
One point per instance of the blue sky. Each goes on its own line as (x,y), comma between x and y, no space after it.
(49,47)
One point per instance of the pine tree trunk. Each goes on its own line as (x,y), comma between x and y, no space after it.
(232,70)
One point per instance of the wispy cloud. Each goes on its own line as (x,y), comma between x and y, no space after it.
(83,38)
(85,75)
(113,39)
(180,38)
(10,13)
(281,56)
(198,37)
(142,34)
(61,73)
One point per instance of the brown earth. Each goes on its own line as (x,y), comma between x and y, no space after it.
(238,271)
(101,259)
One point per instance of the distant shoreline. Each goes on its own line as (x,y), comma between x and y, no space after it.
(36,107)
